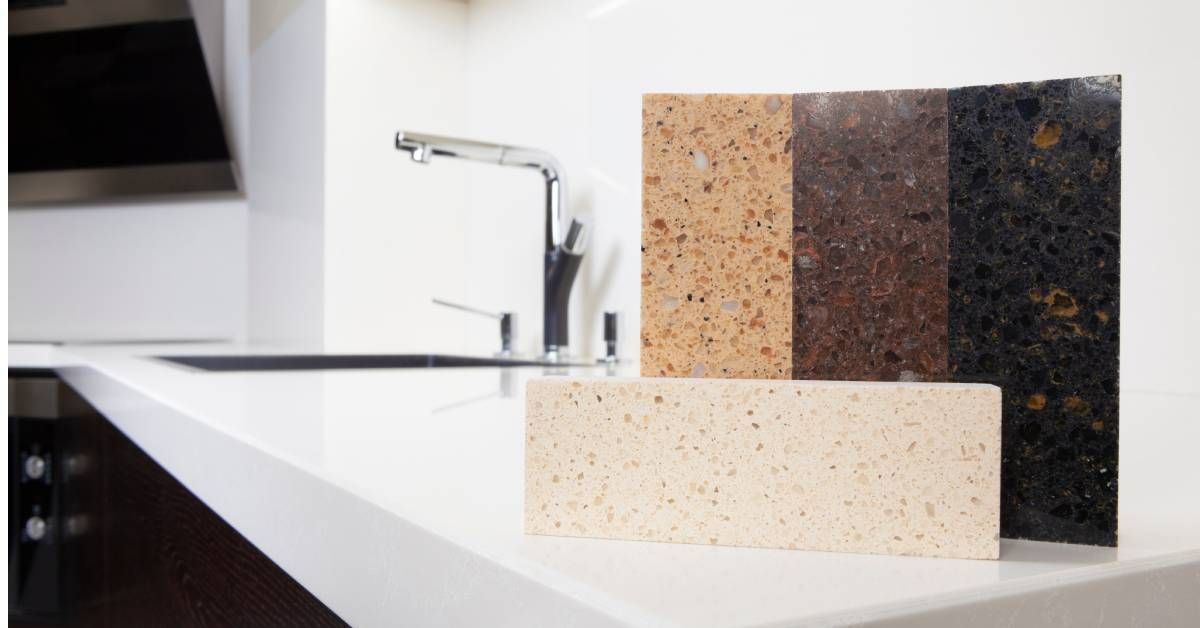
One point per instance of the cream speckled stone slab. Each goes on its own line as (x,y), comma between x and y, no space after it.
(873,467)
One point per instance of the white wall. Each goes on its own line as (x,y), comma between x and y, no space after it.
(285,177)
(568,77)
(348,240)
(152,271)
(528,85)
(392,226)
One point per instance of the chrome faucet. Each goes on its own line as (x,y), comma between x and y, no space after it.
(563,251)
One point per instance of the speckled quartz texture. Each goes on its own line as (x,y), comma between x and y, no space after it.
(889,468)
(1034,286)
(716,235)
(869,232)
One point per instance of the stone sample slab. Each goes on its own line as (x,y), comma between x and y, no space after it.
(970,234)
(891,468)
(1034,285)
(716,235)
(869,225)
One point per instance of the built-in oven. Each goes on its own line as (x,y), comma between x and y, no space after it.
(49,489)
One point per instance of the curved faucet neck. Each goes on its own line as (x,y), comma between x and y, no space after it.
(564,250)
(423,147)
(552,173)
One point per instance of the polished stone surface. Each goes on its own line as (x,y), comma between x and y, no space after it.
(716,233)
(870,467)
(1034,292)
(970,235)
(416,478)
(869,232)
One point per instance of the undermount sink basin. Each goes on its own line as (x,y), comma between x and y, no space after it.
(315,362)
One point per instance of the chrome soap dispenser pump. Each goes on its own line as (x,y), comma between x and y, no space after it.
(563,252)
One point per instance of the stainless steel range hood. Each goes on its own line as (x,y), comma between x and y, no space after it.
(109,99)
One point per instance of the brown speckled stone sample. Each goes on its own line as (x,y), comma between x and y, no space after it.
(970,234)
(1035,219)
(875,467)
(870,235)
(716,235)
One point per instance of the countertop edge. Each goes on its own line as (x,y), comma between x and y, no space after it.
(1096,589)
(295,533)
(391,566)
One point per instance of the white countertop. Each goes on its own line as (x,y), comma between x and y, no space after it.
(395,496)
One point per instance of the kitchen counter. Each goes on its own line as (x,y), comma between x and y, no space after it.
(395,496)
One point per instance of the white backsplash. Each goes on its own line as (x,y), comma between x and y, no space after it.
(349,239)
(568,77)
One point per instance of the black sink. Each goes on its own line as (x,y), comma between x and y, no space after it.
(315,362)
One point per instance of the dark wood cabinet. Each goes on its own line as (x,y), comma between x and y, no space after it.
(152,554)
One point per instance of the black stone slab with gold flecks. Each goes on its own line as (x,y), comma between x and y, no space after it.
(1034,282)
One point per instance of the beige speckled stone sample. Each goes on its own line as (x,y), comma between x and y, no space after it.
(716,235)
(873,467)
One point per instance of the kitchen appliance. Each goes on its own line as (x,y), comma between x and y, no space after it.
(49,483)
(111,98)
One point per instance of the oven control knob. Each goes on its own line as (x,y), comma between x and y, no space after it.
(35,528)
(35,467)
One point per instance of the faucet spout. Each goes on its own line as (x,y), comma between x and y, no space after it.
(563,251)
(423,147)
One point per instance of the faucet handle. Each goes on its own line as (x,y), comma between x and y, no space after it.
(505,318)
(576,239)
